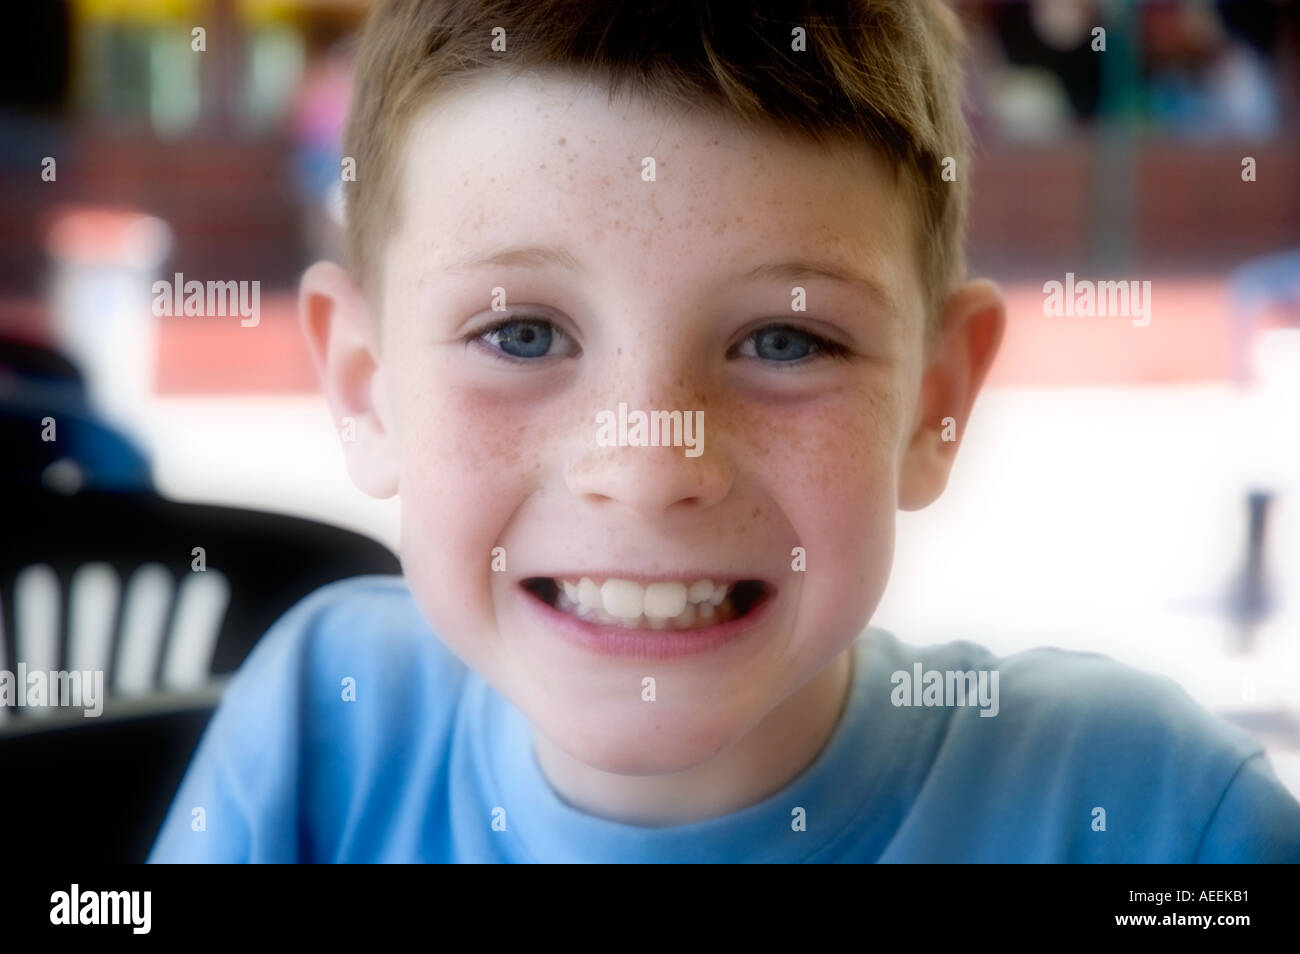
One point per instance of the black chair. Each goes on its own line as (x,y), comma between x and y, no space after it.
(166,599)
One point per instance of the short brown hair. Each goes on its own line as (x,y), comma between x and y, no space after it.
(881,72)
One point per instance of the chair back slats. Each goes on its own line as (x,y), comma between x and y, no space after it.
(145,610)
(92,617)
(37,608)
(164,598)
(200,608)
(164,637)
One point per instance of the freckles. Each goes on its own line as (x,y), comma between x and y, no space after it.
(807,443)
(504,443)
(838,452)
(473,434)
(500,440)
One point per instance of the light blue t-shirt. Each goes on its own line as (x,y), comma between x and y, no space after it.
(428,755)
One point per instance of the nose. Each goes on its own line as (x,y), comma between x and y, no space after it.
(648,480)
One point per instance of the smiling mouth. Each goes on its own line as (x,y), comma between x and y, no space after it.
(668,606)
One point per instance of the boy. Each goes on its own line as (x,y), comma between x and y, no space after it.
(653,319)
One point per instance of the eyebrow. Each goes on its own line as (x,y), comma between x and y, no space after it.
(538,256)
(520,256)
(802,271)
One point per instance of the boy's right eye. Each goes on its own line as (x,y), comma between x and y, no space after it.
(523,340)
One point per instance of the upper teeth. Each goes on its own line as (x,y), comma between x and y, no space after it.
(628,599)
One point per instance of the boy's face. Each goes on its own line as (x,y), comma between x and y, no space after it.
(663,306)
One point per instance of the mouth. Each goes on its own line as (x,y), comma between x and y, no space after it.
(668,605)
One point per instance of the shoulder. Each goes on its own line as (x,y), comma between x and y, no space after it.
(1078,699)
(350,661)
(350,691)
(1186,784)
(367,625)
(348,694)
(1093,701)
(355,645)
(1070,733)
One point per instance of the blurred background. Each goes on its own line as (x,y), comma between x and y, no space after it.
(1126,490)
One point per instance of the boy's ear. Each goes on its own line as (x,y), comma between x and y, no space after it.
(341,336)
(972,324)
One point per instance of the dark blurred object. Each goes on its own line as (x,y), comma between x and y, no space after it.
(1258,22)
(40,391)
(1056,37)
(96,789)
(35,73)
(1263,287)
(1250,602)
(35,48)
(1208,75)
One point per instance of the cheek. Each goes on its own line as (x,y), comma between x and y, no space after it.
(467,462)
(833,468)
(832,471)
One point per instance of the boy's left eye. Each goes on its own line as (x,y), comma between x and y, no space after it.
(786,344)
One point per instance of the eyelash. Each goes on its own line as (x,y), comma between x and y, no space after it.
(497,353)
(820,346)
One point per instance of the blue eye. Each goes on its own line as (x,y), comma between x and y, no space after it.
(784,344)
(526,340)
(522,339)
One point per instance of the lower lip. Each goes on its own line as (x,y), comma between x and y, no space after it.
(647,643)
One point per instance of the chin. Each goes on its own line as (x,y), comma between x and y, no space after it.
(649,746)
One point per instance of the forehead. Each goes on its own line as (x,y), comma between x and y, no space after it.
(547,162)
